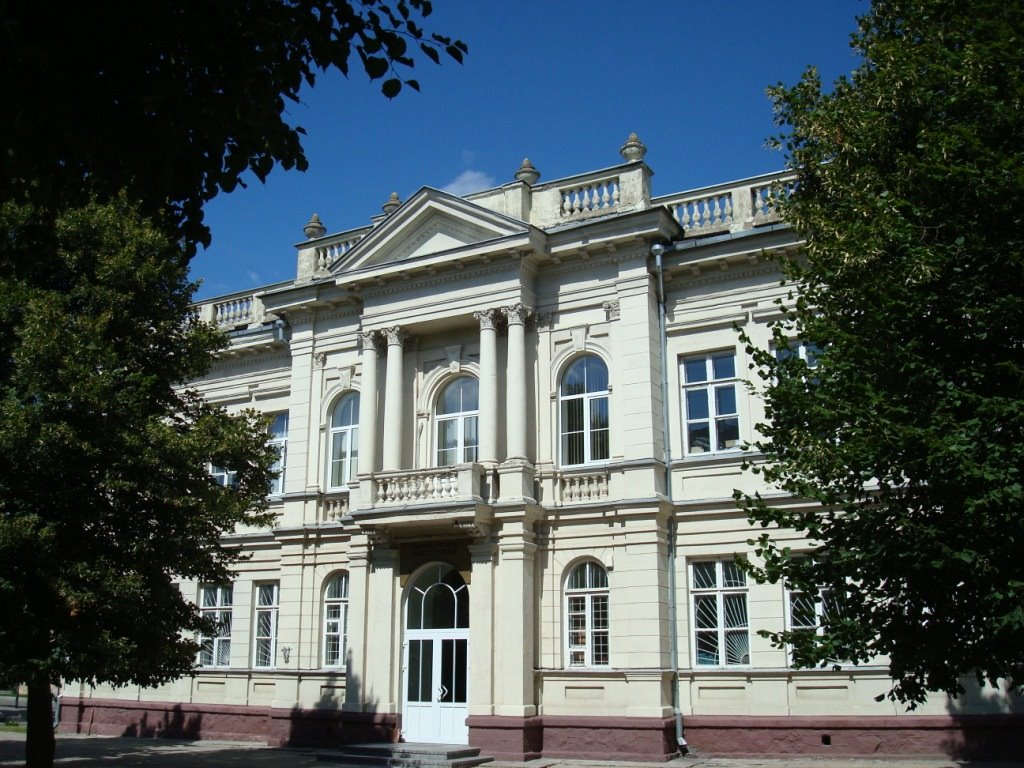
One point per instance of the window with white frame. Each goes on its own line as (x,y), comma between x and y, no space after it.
(586,616)
(224,477)
(344,441)
(721,630)
(265,633)
(806,611)
(278,432)
(215,605)
(458,410)
(805,351)
(583,411)
(710,402)
(335,620)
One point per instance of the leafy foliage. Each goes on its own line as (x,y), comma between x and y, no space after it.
(105,497)
(176,101)
(909,430)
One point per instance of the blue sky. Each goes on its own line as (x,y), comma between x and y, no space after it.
(562,82)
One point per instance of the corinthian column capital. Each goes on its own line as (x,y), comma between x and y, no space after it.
(516,314)
(488,319)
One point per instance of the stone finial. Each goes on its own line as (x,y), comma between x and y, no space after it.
(633,150)
(393,204)
(314,227)
(527,172)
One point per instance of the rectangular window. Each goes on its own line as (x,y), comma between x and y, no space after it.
(215,605)
(805,351)
(721,628)
(710,402)
(224,477)
(265,634)
(278,432)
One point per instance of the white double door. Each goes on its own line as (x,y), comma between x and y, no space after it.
(435,663)
(436,672)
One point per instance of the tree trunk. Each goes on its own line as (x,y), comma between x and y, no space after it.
(39,742)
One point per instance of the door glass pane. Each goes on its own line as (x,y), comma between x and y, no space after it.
(461,671)
(446,691)
(462,608)
(439,608)
(421,670)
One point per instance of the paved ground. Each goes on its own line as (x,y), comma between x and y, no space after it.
(104,752)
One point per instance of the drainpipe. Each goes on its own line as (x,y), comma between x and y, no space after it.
(658,250)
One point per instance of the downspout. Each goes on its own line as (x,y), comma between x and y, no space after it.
(658,250)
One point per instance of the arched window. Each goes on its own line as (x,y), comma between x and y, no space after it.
(458,408)
(344,445)
(586,616)
(335,620)
(583,403)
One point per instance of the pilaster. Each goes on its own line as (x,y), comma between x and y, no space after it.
(481,627)
(514,631)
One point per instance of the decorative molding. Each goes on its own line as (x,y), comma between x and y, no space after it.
(611,310)
(396,336)
(454,355)
(579,338)
(516,314)
(545,321)
(488,318)
(372,339)
(319,360)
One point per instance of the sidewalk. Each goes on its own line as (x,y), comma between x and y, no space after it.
(114,752)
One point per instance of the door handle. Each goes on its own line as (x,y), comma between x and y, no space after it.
(442,692)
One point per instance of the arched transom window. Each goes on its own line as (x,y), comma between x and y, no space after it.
(458,409)
(583,401)
(335,620)
(586,616)
(344,441)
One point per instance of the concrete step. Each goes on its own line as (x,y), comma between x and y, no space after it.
(404,755)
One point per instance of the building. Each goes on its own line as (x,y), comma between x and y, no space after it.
(510,427)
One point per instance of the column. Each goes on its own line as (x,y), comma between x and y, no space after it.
(355,630)
(488,424)
(514,622)
(367,463)
(383,638)
(515,385)
(481,628)
(393,406)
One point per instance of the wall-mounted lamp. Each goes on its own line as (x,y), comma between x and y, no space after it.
(286,653)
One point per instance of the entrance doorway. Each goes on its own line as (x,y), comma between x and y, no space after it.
(436,657)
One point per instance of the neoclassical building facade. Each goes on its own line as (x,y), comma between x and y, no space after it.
(510,427)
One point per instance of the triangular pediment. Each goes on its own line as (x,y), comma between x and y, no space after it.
(431,222)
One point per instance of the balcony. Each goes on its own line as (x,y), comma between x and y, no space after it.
(730,207)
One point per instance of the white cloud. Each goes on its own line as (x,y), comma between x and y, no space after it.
(254,277)
(467,182)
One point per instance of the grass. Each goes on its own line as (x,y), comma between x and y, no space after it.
(12,727)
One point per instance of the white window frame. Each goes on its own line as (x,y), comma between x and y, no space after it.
(335,621)
(349,444)
(223,477)
(711,384)
(266,607)
(721,596)
(807,352)
(587,612)
(219,608)
(279,441)
(591,400)
(464,453)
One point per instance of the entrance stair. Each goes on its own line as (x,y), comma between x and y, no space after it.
(404,756)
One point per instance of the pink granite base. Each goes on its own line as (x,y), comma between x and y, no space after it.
(964,736)
(585,738)
(278,727)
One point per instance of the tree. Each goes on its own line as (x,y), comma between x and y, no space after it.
(120,123)
(175,101)
(106,497)
(908,427)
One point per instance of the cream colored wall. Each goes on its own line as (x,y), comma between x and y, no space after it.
(587,300)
